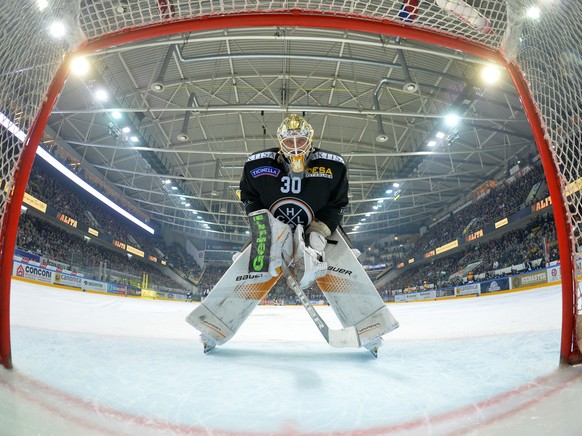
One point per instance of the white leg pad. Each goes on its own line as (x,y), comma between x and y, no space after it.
(376,325)
(231,300)
(351,294)
(209,325)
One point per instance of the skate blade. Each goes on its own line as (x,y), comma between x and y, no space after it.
(208,344)
(374,346)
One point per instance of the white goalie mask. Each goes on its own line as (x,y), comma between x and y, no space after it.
(295,136)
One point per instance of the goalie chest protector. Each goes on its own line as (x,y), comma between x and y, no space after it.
(322,191)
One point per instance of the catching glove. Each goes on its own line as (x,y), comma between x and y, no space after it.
(315,237)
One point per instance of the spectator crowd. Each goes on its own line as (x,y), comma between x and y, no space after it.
(535,240)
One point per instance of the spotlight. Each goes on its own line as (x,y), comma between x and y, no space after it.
(410,87)
(452,120)
(80,66)
(57,30)
(157,87)
(101,95)
(490,74)
(533,13)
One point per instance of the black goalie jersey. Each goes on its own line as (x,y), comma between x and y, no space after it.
(322,193)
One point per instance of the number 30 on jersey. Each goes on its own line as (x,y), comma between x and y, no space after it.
(292,185)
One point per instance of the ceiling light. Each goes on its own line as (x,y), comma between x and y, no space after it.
(157,87)
(126,130)
(396,184)
(452,120)
(79,66)
(175,188)
(533,13)
(101,95)
(134,139)
(187,205)
(116,115)
(410,87)
(42,4)
(490,74)
(182,137)
(431,143)
(167,181)
(382,138)
(389,191)
(440,135)
(57,29)
(375,207)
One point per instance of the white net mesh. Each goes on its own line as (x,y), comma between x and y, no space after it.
(27,66)
(485,23)
(547,50)
(551,61)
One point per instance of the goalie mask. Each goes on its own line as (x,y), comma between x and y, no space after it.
(295,136)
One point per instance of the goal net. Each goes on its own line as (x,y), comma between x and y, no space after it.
(541,53)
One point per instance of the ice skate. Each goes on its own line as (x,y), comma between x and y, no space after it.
(208,343)
(373,346)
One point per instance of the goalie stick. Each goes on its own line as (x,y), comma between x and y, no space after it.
(346,337)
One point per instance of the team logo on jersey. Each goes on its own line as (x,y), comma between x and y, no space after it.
(319,172)
(265,171)
(292,211)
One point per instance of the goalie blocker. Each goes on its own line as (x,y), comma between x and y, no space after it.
(345,284)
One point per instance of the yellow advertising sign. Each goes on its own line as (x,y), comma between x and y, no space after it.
(134,250)
(34,202)
(447,247)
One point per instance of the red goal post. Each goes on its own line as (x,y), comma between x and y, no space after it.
(544,65)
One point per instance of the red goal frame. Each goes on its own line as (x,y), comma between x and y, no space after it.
(569,352)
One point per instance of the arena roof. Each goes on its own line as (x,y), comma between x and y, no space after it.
(197,104)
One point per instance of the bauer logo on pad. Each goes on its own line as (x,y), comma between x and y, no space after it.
(260,242)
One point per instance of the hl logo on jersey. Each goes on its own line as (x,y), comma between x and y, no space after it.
(319,172)
(292,211)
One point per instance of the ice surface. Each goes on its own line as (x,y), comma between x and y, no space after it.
(87,364)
